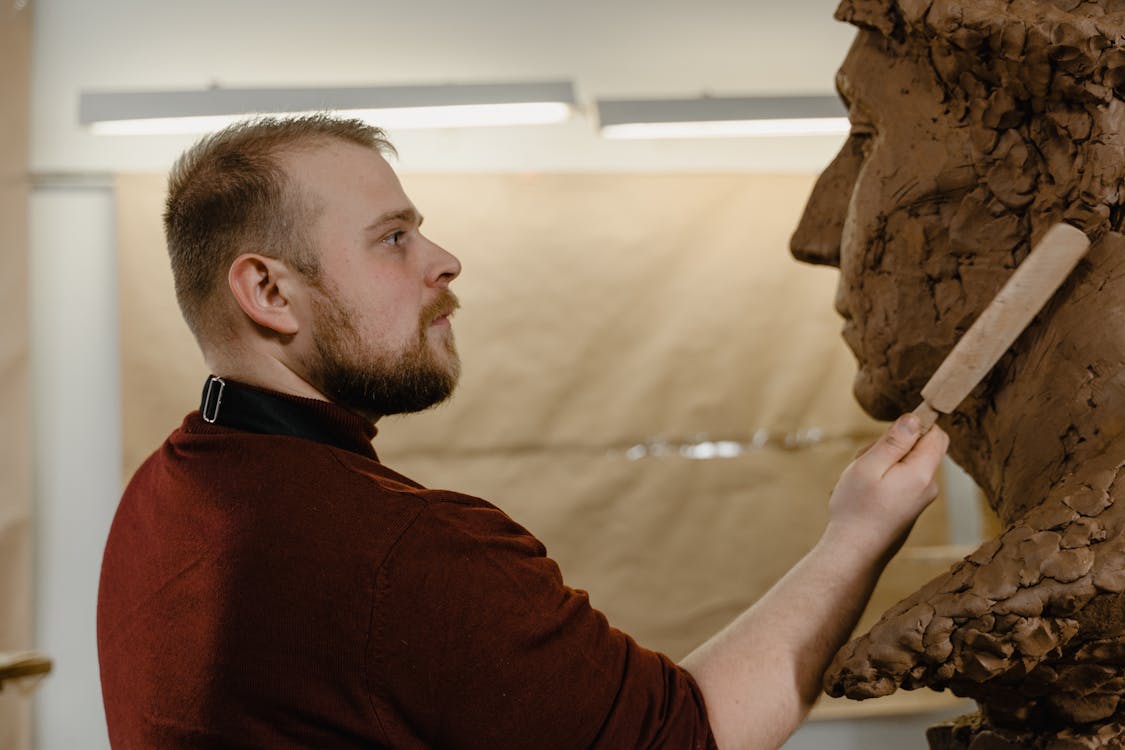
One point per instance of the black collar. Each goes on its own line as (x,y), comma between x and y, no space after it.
(245,407)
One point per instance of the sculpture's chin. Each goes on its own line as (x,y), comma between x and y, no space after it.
(876,401)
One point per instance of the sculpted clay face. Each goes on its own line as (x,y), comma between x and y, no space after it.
(897,185)
(977,125)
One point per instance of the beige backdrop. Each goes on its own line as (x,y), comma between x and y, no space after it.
(610,324)
(15,448)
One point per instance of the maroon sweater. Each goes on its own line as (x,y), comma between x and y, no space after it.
(268,583)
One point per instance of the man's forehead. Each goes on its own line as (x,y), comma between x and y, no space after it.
(329,169)
(321,154)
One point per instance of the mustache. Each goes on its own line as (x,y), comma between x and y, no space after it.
(443,305)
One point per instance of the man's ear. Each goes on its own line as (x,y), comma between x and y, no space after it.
(261,286)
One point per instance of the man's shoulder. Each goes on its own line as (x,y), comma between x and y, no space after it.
(292,471)
(468,529)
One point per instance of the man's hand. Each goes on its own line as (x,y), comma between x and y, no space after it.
(761,675)
(882,492)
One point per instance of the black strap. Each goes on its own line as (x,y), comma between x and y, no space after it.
(242,407)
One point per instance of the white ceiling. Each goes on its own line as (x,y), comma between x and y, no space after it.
(609,49)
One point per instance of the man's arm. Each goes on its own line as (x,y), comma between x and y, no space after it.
(761,674)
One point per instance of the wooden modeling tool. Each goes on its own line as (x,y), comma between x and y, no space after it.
(1011,310)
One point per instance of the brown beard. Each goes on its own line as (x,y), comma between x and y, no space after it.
(377,384)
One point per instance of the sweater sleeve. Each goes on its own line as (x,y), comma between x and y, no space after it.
(477,643)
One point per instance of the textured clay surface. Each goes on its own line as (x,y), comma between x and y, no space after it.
(977,124)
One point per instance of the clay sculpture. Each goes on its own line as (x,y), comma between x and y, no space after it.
(976,125)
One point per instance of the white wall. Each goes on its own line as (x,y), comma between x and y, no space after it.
(76,413)
(611,49)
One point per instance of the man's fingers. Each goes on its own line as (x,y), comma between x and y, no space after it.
(929,449)
(894,444)
(859,453)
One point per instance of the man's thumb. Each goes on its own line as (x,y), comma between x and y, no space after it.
(895,443)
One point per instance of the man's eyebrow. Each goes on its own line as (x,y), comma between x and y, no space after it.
(405,215)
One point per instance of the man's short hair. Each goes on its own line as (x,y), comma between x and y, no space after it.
(228,194)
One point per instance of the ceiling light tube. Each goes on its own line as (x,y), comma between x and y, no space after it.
(722,117)
(392,107)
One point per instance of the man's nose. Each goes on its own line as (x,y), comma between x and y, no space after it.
(444,265)
(817,238)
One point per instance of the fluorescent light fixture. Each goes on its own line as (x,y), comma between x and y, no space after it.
(391,107)
(722,117)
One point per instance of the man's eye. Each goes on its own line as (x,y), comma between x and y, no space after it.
(395,238)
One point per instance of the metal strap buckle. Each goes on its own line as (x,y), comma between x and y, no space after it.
(211,413)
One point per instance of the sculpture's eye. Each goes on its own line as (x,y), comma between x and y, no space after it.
(862,134)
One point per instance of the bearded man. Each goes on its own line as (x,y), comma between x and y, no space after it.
(269,583)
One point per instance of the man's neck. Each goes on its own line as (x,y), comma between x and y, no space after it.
(262,371)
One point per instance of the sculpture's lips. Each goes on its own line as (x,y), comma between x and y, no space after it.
(850,334)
